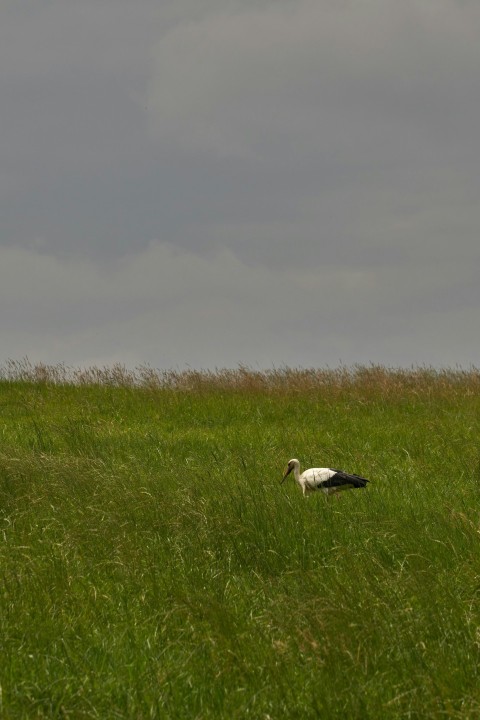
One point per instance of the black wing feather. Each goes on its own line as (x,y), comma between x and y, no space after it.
(342,478)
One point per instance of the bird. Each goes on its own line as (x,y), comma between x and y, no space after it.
(328,480)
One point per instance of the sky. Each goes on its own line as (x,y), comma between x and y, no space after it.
(215,183)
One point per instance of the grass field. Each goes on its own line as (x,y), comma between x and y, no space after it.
(151,566)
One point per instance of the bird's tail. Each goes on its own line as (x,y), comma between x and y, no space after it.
(359,482)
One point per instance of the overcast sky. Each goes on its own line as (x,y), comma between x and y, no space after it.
(206,183)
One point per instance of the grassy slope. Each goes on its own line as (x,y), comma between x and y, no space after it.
(151,565)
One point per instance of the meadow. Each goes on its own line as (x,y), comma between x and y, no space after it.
(152,566)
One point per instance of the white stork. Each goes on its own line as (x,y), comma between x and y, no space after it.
(328,480)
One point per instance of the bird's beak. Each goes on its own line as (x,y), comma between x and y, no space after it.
(287,472)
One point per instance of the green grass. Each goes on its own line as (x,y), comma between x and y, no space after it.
(151,566)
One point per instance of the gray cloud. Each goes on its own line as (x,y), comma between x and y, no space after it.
(258,182)
(175,308)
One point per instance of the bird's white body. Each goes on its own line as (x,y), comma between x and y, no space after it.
(309,479)
(328,480)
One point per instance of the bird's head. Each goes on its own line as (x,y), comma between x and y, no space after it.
(291,466)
